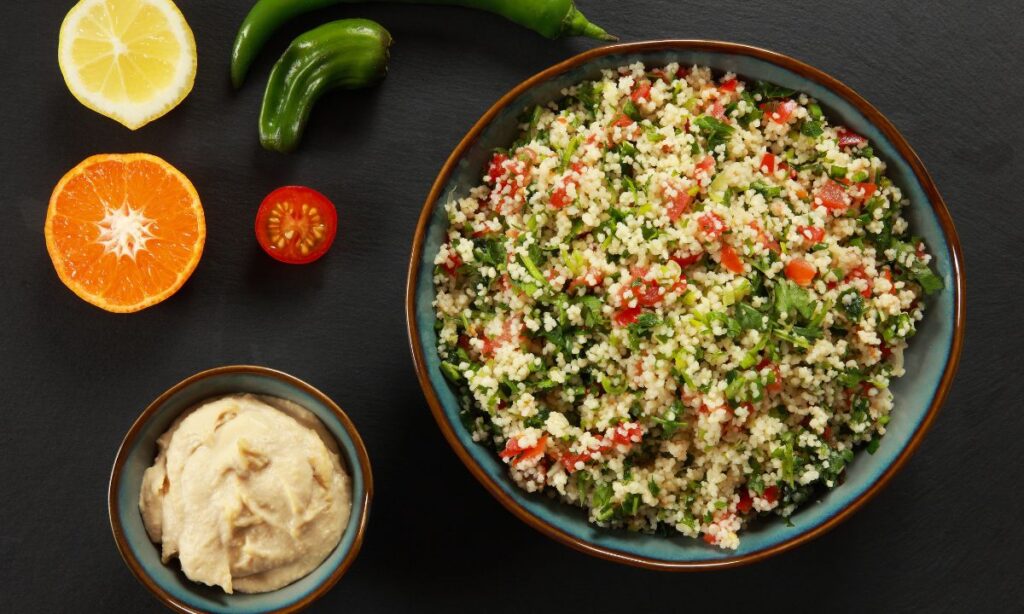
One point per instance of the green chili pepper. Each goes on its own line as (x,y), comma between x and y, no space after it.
(551,18)
(348,54)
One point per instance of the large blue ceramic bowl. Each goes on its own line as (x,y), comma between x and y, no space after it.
(138,450)
(930,362)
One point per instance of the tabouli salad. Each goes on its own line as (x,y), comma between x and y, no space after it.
(678,301)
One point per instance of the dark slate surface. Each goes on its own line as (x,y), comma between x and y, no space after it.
(946,536)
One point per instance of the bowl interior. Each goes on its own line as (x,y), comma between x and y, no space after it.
(140,456)
(926,358)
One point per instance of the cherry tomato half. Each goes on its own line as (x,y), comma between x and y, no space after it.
(296,224)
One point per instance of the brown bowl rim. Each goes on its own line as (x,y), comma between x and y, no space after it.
(128,442)
(805,70)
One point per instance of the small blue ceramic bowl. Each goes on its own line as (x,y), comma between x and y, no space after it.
(930,362)
(138,450)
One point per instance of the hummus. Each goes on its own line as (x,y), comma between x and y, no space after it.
(248,492)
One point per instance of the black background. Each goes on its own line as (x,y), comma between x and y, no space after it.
(945,536)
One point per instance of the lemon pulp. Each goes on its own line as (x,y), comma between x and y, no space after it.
(131,60)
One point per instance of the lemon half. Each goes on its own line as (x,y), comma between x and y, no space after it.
(131,60)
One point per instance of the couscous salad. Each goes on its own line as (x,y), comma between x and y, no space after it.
(677,301)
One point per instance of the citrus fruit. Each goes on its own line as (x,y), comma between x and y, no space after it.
(124,231)
(131,60)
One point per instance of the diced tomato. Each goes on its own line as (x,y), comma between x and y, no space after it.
(791,171)
(717,110)
(858,273)
(706,165)
(865,190)
(685,261)
(767,164)
(560,198)
(519,454)
(710,539)
(506,173)
(848,138)
(746,502)
(651,294)
(728,85)
(800,272)
(827,434)
(679,203)
(646,292)
(485,231)
(711,225)
(622,121)
(496,169)
(776,385)
(813,234)
(731,259)
(771,494)
(560,195)
(569,461)
(511,448)
(627,434)
(885,350)
(764,238)
(642,91)
(681,72)
(584,280)
(491,344)
(680,286)
(451,266)
(832,196)
(534,452)
(779,111)
(627,315)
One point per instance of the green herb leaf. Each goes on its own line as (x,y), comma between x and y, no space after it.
(574,144)
(535,273)
(590,308)
(451,372)
(653,487)
(769,91)
(653,135)
(750,318)
(791,299)
(852,303)
(630,110)
(930,282)
(851,377)
(811,128)
(768,191)
(715,131)
(588,95)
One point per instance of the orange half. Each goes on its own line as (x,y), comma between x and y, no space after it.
(125,231)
